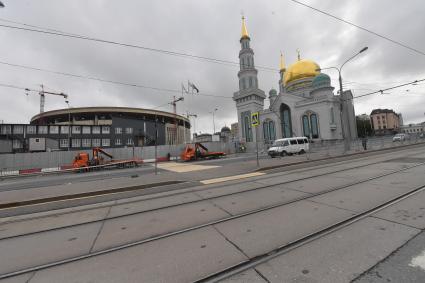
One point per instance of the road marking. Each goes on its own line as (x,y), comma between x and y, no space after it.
(418,261)
(184,167)
(230,178)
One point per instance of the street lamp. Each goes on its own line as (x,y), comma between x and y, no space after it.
(213,113)
(345,136)
(69,124)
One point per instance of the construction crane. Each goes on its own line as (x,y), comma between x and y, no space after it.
(43,93)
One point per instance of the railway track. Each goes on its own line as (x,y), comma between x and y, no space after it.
(260,187)
(253,262)
(232,217)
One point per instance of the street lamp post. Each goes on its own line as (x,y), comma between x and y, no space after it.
(69,125)
(213,114)
(345,135)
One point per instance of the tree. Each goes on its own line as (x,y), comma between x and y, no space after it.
(364,127)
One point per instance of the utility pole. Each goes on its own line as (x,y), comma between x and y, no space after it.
(194,117)
(213,114)
(174,103)
(69,125)
(156,145)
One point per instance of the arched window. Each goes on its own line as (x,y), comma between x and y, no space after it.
(285,115)
(306,126)
(266,133)
(314,128)
(332,116)
(310,125)
(272,131)
(246,127)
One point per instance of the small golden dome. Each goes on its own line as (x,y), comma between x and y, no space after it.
(244,33)
(300,70)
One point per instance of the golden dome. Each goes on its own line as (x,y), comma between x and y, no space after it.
(244,33)
(300,70)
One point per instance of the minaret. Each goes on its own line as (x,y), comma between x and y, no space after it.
(249,98)
(282,70)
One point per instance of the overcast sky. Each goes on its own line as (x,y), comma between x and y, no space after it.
(209,29)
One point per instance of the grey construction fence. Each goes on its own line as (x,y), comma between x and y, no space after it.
(55,159)
(22,161)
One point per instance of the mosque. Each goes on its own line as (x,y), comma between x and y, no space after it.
(304,106)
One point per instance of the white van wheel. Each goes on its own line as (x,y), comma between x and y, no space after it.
(302,151)
(283,153)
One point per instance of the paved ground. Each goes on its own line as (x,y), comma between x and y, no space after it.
(185,233)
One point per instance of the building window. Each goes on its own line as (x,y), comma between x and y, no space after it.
(118,142)
(128,130)
(76,143)
(54,129)
(96,130)
(31,130)
(266,131)
(314,127)
(17,144)
(6,129)
(86,142)
(95,142)
(63,143)
(129,141)
(86,129)
(332,116)
(76,130)
(118,131)
(243,83)
(285,114)
(64,129)
(105,130)
(18,129)
(43,129)
(250,81)
(106,142)
(306,126)
(246,126)
(310,125)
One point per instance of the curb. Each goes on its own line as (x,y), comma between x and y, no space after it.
(337,157)
(16,204)
(69,168)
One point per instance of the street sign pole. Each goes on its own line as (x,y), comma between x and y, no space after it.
(256,144)
(255,122)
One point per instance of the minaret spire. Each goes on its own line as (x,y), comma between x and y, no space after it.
(244,33)
(299,56)
(282,63)
(282,71)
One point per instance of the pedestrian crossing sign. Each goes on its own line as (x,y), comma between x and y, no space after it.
(255,119)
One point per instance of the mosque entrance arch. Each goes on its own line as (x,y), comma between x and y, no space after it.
(285,116)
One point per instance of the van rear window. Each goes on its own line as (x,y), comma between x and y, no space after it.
(293,141)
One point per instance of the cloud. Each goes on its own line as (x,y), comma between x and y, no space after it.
(211,29)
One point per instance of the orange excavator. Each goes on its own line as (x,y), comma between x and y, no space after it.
(83,159)
(199,151)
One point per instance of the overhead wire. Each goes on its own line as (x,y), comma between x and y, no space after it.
(54,32)
(105,80)
(385,89)
(361,28)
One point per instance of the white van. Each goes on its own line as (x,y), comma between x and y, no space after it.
(289,146)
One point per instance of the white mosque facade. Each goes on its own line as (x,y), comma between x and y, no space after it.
(304,106)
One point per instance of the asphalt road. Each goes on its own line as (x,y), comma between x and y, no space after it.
(295,202)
